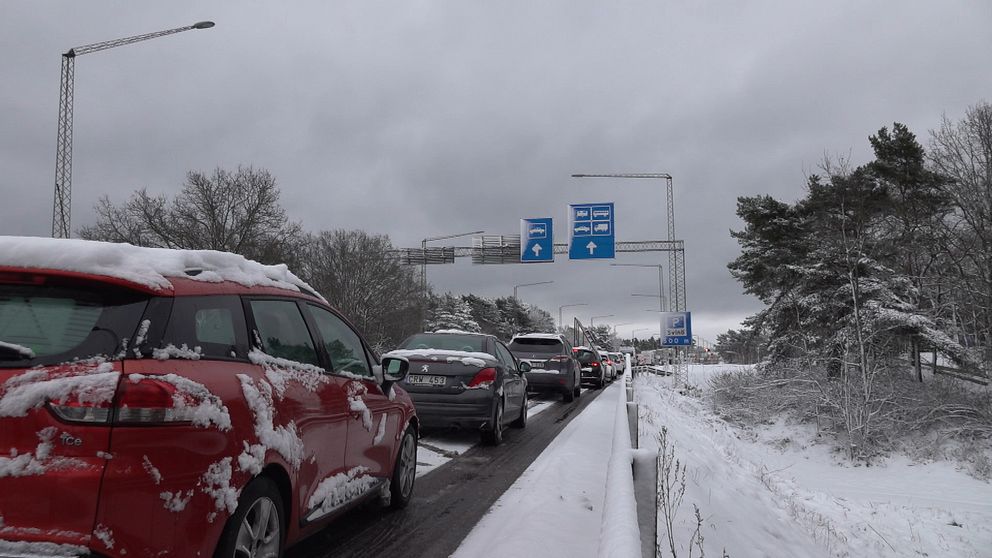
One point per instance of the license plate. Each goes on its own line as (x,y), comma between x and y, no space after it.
(422,380)
(539,364)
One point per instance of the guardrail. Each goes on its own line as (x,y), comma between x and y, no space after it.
(630,508)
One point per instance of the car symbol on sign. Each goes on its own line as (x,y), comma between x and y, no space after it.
(582,229)
(601,213)
(601,227)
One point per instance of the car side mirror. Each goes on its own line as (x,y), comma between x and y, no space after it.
(524,367)
(394,369)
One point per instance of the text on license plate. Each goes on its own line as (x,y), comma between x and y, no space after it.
(424,380)
(537,364)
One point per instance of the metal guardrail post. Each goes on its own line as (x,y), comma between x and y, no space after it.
(645,468)
(632,416)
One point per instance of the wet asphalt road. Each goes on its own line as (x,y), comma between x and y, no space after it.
(447,502)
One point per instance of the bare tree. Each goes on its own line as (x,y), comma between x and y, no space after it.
(235,211)
(963,152)
(359,275)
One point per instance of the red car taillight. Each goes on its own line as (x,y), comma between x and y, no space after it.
(559,358)
(146,401)
(72,410)
(595,365)
(484,375)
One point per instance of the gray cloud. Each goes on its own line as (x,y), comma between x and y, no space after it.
(424,118)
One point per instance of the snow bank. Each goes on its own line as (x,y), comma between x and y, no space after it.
(554,510)
(760,501)
(619,535)
(149,267)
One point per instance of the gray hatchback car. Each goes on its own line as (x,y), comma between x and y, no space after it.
(465,380)
(553,364)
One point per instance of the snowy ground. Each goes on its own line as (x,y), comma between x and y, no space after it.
(775,492)
(771,493)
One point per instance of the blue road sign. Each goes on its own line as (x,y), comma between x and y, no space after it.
(590,231)
(537,240)
(678,329)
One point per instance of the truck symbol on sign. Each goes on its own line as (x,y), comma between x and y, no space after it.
(601,227)
(537,231)
(581,213)
(582,229)
(601,213)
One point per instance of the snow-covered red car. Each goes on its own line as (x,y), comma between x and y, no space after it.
(183,403)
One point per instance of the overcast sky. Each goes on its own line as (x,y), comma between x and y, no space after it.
(418,119)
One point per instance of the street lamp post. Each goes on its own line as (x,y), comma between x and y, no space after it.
(62,207)
(515,287)
(592,320)
(561,323)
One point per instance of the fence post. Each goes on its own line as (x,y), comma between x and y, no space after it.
(645,468)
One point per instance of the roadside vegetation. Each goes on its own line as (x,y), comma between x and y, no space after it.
(358,273)
(874,266)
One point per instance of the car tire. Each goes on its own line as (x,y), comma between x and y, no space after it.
(568,396)
(601,382)
(404,471)
(256,528)
(578,389)
(521,421)
(493,436)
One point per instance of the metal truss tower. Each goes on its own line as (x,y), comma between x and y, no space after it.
(61,211)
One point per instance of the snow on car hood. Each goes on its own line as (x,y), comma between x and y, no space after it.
(149,267)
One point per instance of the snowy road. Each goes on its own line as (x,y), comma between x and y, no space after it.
(448,500)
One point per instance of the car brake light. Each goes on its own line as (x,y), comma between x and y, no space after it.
(595,365)
(150,401)
(484,375)
(559,358)
(72,410)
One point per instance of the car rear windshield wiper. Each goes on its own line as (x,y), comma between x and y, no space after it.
(11,351)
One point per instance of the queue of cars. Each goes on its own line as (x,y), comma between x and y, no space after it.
(195,403)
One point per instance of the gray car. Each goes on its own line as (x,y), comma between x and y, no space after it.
(465,380)
(553,365)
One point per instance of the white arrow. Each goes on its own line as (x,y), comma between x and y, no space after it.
(591,246)
(537,250)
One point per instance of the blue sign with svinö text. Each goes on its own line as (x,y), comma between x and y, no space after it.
(537,240)
(678,329)
(590,231)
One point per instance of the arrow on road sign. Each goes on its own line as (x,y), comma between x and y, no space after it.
(591,246)
(537,250)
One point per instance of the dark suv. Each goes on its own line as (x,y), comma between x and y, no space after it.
(184,403)
(553,366)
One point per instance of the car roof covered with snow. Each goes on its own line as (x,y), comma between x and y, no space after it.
(555,336)
(157,270)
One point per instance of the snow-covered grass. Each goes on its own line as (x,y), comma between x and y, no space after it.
(775,489)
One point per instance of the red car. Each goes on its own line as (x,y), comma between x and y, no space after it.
(183,403)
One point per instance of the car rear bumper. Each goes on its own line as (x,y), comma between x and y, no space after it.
(471,409)
(550,381)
